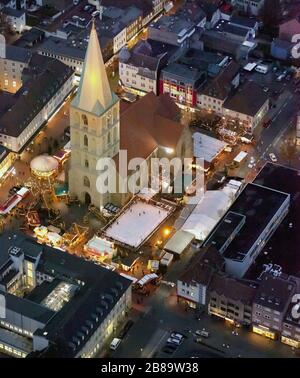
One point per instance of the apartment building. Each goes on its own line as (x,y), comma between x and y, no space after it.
(194,284)
(140,68)
(249,105)
(217,90)
(13,60)
(271,304)
(290,331)
(182,82)
(231,299)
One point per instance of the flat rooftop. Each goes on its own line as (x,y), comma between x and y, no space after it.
(283,247)
(137,223)
(259,205)
(225,229)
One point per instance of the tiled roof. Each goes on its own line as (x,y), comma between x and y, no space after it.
(149,123)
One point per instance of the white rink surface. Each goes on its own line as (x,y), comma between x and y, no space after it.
(135,225)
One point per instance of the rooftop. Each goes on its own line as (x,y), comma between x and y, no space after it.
(221,86)
(187,74)
(225,230)
(282,248)
(275,292)
(259,205)
(150,122)
(45,79)
(99,290)
(249,99)
(233,289)
(144,218)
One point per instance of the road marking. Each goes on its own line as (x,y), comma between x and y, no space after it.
(157,345)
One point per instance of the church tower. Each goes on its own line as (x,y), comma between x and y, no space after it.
(94,124)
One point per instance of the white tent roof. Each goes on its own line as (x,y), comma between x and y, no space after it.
(206,147)
(209,211)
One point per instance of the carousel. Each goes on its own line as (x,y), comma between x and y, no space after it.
(44,167)
(44,171)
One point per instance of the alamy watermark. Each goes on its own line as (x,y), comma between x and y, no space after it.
(296,48)
(295,313)
(162,175)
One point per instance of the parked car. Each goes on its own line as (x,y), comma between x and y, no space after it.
(203,333)
(273,157)
(178,336)
(171,340)
(115,343)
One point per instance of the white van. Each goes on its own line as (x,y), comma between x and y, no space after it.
(261,68)
(115,343)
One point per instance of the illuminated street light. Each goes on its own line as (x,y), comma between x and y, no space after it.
(167,232)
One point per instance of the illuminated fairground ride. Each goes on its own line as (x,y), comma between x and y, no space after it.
(44,170)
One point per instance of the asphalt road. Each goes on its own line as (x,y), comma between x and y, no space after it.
(163,315)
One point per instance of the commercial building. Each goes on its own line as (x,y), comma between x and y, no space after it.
(45,85)
(174,30)
(271,304)
(290,334)
(218,41)
(217,90)
(149,8)
(244,230)
(56,304)
(182,83)
(140,67)
(231,299)
(13,60)
(193,284)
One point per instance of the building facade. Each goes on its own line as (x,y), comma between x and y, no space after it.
(72,306)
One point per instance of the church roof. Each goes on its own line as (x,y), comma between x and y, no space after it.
(94,94)
(147,124)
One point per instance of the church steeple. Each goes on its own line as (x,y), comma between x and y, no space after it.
(94,94)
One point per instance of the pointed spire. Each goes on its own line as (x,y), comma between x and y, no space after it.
(94,94)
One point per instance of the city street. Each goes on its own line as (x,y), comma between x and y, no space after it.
(161,314)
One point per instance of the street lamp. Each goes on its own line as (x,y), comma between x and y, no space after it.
(166,232)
